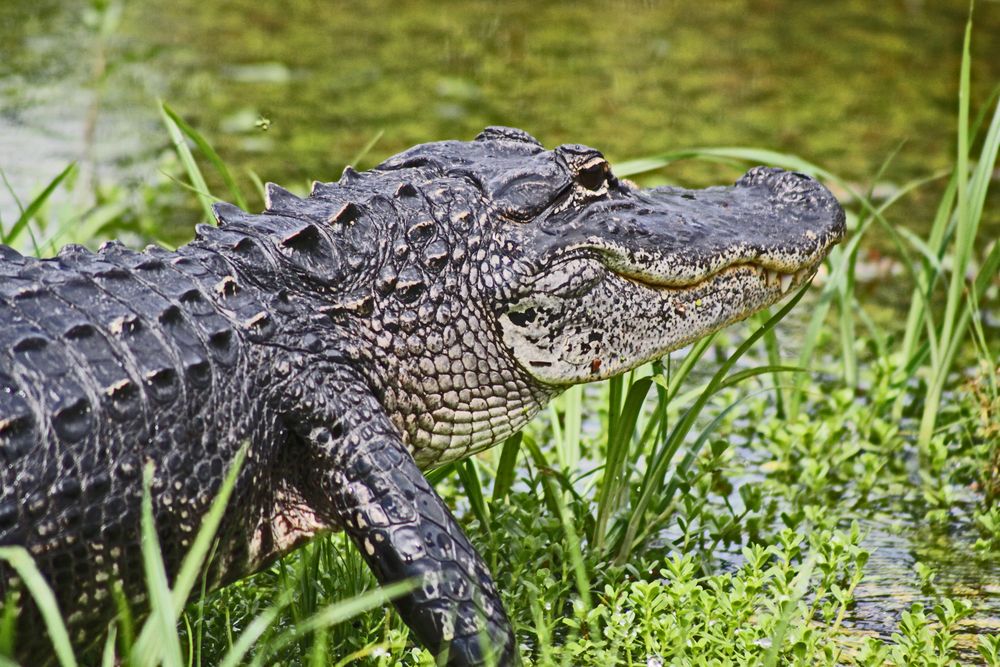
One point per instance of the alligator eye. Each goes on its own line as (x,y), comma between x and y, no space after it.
(593,176)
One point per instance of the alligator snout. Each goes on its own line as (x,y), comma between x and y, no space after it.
(800,193)
(777,220)
(783,183)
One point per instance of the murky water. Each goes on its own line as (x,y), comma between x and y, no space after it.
(891,584)
(841,83)
(898,536)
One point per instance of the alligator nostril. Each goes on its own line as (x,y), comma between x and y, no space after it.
(793,187)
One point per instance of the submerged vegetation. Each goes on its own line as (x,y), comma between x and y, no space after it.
(748,500)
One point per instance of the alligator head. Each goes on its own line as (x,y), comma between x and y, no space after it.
(609,276)
(512,272)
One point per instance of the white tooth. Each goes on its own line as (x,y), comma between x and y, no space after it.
(769,276)
(786,282)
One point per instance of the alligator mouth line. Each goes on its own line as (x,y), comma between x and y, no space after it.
(783,280)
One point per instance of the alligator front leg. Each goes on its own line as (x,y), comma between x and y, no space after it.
(405,532)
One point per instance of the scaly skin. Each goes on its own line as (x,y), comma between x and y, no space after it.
(391,322)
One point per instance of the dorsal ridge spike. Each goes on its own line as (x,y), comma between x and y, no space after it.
(359,301)
(350,175)
(405,190)
(303,238)
(345,215)
(224,211)
(277,198)
(325,190)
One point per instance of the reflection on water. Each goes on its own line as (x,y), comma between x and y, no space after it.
(898,537)
(891,585)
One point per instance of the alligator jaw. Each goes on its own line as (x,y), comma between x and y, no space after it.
(773,279)
(625,322)
(782,222)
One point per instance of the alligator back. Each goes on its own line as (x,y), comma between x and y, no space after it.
(109,361)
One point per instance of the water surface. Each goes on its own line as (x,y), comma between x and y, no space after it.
(841,83)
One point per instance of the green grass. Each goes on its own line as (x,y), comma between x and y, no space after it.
(711,508)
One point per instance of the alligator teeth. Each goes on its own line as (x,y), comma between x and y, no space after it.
(783,281)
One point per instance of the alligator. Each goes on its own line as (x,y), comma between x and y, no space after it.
(385,324)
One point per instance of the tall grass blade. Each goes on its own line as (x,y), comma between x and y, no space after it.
(925,251)
(474,492)
(740,376)
(163,616)
(333,614)
(206,148)
(773,350)
(982,344)
(965,229)
(196,556)
(198,183)
(150,640)
(839,260)
(568,449)
(366,149)
(45,600)
(31,210)
(677,377)
(619,439)
(12,192)
(971,200)
(505,474)
(258,184)
(439,473)
(108,658)
(124,624)
(652,481)
(917,317)
(845,294)
(549,491)
(8,623)
(615,390)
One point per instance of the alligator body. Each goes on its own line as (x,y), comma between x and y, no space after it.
(395,320)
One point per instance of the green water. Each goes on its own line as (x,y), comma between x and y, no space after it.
(840,83)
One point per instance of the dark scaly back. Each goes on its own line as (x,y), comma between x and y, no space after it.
(113,359)
(107,361)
